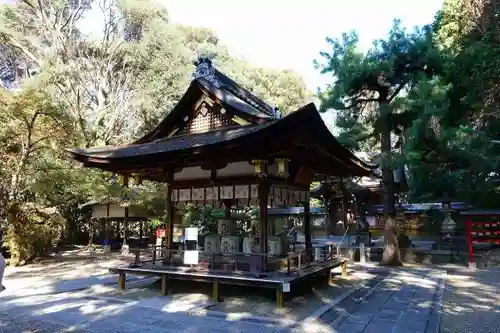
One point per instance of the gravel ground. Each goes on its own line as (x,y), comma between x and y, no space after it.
(471,302)
(23,324)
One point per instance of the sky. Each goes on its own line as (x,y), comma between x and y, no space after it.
(290,34)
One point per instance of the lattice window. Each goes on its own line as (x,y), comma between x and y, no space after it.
(205,120)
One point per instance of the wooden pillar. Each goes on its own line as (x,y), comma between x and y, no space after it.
(264,223)
(227,208)
(106,231)
(307,229)
(169,223)
(121,280)
(343,269)
(117,230)
(125,226)
(106,225)
(280,298)
(215,291)
(141,232)
(344,212)
(164,284)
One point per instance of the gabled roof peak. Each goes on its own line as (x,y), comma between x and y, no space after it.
(205,71)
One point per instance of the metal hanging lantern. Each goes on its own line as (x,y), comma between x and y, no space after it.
(124,179)
(259,167)
(282,167)
(138,179)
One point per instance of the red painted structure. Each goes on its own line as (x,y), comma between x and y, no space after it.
(160,233)
(485,231)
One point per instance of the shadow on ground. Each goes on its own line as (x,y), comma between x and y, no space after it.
(84,298)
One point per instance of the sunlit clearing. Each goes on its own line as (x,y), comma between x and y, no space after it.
(186,303)
(315,327)
(60,307)
(237,315)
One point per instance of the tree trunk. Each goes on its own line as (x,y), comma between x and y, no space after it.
(392,255)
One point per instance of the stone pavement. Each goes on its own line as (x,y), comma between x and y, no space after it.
(405,301)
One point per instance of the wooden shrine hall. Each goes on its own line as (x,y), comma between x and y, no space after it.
(222,144)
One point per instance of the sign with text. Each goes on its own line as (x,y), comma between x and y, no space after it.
(191,234)
(191,257)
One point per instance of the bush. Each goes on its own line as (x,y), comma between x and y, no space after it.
(31,232)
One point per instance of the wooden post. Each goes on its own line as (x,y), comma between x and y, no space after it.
(141,231)
(343,269)
(125,226)
(121,280)
(280,298)
(468,228)
(118,230)
(362,255)
(169,224)
(307,230)
(264,227)
(329,277)
(215,291)
(137,257)
(107,226)
(164,284)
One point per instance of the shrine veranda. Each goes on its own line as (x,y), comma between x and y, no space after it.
(222,146)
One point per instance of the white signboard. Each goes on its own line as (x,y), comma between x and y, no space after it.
(191,257)
(286,287)
(191,234)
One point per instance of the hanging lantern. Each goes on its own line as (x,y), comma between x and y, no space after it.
(283,167)
(138,179)
(124,180)
(260,166)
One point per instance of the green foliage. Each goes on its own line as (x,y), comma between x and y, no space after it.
(31,231)
(449,148)
(442,95)
(108,88)
(363,80)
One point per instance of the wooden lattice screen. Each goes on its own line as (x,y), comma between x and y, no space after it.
(205,120)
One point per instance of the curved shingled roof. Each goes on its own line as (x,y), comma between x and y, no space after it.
(301,134)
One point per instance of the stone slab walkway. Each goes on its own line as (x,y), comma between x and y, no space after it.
(405,301)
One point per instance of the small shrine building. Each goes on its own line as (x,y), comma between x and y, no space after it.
(223,145)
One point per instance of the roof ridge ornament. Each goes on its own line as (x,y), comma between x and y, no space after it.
(277,112)
(205,70)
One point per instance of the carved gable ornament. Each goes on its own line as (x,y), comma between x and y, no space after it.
(204,70)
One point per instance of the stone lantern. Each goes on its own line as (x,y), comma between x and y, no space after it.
(448,226)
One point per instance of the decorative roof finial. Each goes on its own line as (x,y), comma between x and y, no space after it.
(277,113)
(205,70)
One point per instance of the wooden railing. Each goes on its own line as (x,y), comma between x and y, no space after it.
(240,261)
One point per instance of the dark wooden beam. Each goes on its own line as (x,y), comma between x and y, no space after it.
(307,228)
(264,222)
(169,206)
